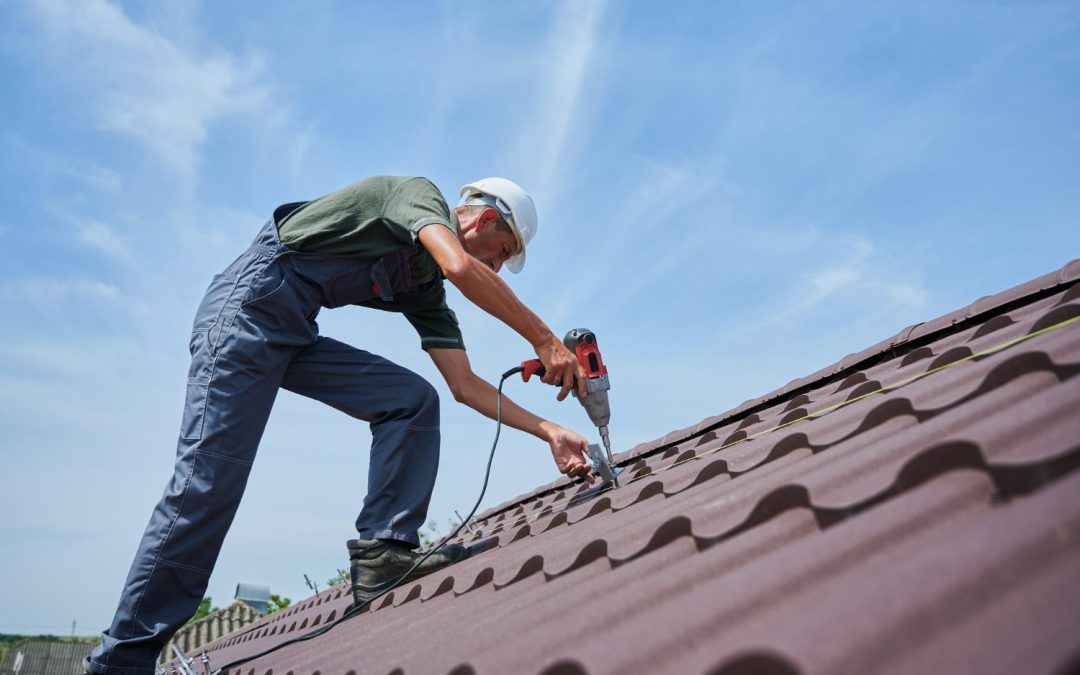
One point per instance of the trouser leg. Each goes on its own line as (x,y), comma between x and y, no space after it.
(236,371)
(403,411)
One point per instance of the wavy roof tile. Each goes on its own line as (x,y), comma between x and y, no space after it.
(912,508)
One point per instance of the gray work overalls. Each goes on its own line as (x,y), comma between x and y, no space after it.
(254,332)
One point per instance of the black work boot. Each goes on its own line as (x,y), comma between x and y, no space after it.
(378,563)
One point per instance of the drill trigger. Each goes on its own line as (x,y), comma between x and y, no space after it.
(530,368)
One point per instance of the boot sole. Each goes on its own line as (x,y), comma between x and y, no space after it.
(362,594)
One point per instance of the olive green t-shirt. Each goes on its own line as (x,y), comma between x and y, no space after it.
(375,217)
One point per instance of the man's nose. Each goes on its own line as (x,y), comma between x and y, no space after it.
(496,265)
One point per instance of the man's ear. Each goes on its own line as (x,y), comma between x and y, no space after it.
(487,221)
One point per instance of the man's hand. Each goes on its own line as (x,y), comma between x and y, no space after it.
(569,450)
(562,368)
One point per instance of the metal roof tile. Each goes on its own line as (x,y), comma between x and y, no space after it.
(913,507)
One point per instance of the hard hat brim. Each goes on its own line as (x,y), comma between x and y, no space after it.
(516,263)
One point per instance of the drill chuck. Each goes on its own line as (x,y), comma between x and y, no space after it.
(596,402)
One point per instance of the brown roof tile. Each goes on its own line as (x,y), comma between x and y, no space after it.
(913,508)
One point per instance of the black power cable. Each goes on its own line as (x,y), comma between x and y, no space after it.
(355,609)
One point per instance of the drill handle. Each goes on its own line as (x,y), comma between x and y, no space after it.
(530,368)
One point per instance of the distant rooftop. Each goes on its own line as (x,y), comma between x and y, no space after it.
(256,597)
(215,625)
(46,657)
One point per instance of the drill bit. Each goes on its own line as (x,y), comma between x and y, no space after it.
(607,451)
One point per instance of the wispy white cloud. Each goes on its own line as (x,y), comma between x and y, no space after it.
(44,290)
(102,238)
(858,267)
(902,293)
(826,282)
(571,42)
(661,196)
(96,176)
(52,163)
(834,270)
(216,228)
(843,271)
(143,85)
(48,359)
(292,145)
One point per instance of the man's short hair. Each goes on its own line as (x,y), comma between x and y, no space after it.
(500,225)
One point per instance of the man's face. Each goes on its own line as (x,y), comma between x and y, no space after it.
(488,243)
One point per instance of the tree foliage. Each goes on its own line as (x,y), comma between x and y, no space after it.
(341,578)
(277,603)
(429,534)
(205,607)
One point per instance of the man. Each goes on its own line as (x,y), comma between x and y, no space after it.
(387,243)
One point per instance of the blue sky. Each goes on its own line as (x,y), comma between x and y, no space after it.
(732,195)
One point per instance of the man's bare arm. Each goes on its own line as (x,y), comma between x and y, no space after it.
(483,287)
(566,446)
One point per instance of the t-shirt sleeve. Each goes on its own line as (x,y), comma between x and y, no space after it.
(434,321)
(416,203)
(427,312)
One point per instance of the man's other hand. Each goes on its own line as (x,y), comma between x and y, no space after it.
(569,450)
(562,367)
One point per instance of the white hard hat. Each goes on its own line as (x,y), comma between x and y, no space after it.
(514,204)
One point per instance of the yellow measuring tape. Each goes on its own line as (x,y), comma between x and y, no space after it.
(551,508)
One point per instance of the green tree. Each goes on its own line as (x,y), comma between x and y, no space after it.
(341,578)
(277,603)
(429,534)
(205,607)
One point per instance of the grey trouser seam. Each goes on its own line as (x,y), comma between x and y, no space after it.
(218,455)
(106,665)
(375,361)
(190,568)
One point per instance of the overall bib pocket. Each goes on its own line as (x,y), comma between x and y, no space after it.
(351,286)
(380,278)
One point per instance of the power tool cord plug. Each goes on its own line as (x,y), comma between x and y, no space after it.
(355,609)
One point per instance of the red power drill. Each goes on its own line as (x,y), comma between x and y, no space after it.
(582,342)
